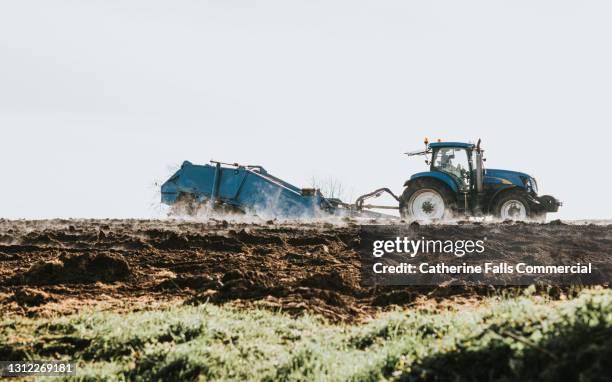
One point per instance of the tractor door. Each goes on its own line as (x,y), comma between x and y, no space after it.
(455,162)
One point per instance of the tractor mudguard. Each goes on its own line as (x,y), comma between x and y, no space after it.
(444,178)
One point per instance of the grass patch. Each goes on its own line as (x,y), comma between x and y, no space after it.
(504,339)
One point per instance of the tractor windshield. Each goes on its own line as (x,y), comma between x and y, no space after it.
(453,161)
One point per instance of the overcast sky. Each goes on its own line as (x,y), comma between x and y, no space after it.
(99,100)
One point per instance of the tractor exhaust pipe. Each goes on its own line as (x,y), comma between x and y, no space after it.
(479,180)
(479,173)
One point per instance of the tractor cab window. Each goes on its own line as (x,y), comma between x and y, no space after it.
(453,161)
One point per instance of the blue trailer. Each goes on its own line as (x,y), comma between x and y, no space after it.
(248,189)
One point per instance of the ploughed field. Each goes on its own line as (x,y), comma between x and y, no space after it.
(64,265)
(177,300)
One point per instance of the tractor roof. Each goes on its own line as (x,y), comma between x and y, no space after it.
(451,144)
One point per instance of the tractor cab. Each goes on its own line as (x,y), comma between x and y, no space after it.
(457,183)
(454,159)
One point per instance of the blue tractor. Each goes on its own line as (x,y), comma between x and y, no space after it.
(458,183)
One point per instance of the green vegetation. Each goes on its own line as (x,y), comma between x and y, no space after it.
(523,337)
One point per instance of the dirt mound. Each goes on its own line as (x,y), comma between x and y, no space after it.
(334,281)
(31,297)
(199,282)
(76,268)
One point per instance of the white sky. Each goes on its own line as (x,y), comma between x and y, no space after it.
(101,99)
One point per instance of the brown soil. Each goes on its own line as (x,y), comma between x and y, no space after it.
(63,265)
(74,268)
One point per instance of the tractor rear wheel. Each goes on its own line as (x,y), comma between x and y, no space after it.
(512,206)
(426,200)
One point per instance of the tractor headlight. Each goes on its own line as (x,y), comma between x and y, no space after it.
(525,181)
(534,185)
(530,183)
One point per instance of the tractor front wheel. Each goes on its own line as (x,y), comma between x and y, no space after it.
(425,200)
(512,206)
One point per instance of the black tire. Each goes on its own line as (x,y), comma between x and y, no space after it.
(508,196)
(426,183)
